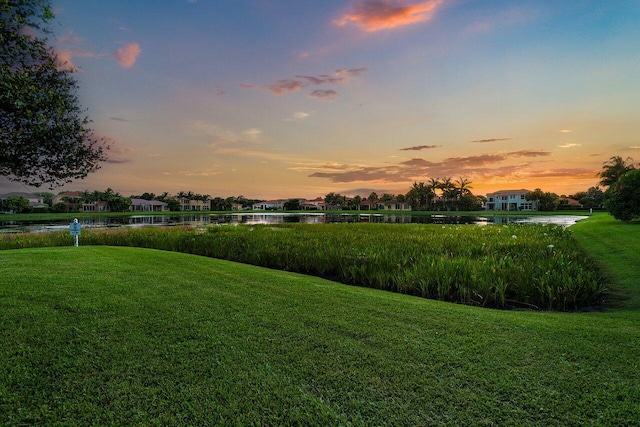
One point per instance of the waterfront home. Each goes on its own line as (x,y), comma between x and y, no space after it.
(510,200)
(35,201)
(142,205)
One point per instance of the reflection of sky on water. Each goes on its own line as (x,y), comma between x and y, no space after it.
(205,220)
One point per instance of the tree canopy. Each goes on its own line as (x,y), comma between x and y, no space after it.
(44,133)
(613,169)
(622,199)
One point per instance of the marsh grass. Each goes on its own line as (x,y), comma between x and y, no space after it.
(537,266)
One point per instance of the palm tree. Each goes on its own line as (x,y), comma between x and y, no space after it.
(449,190)
(613,169)
(434,184)
(464,186)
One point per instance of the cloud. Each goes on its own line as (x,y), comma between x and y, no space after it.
(529,153)
(280,87)
(377,15)
(569,145)
(565,131)
(297,117)
(70,46)
(118,119)
(127,55)
(328,95)
(635,147)
(420,147)
(483,167)
(492,140)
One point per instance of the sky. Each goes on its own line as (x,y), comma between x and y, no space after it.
(298,98)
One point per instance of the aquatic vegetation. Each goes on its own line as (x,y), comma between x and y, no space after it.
(520,265)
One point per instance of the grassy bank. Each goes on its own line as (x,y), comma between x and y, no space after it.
(615,247)
(533,266)
(122,336)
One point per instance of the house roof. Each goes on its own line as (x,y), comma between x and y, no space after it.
(508,192)
(143,202)
(19,194)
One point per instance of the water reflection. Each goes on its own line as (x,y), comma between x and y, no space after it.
(204,220)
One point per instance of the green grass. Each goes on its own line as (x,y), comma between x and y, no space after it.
(129,336)
(615,246)
(502,266)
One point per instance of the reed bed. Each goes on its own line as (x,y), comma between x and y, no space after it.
(536,266)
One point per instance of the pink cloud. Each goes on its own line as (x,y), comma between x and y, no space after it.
(376,15)
(127,55)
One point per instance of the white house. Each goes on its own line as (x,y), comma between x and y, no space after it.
(269,205)
(142,205)
(510,200)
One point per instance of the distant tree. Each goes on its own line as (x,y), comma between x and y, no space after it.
(469,202)
(354,203)
(292,205)
(17,204)
(173,205)
(44,135)
(622,199)
(592,198)
(334,200)
(613,169)
(387,199)
(60,208)
(145,196)
(546,201)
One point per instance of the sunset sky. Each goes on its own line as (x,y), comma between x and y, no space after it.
(298,98)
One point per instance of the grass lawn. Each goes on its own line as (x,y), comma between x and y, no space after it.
(105,335)
(616,246)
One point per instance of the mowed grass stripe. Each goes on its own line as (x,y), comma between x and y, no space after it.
(104,335)
(615,247)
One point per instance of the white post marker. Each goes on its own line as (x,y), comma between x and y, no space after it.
(74,230)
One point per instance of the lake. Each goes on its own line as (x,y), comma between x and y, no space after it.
(204,220)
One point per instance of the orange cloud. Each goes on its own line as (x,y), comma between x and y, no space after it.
(376,15)
(127,55)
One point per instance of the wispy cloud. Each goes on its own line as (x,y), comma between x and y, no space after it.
(377,15)
(281,87)
(420,147)
(127,55)
(327,95)
(484,167)
(118,119)
(297,117)
(70,46)
(492,140)
(569,145)
(565,131)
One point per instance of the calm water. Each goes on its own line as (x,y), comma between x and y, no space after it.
(203,220)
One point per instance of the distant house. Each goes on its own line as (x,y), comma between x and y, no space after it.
(269,205)
(76,202)
(36,202)
(316,204)
(142,205)
(188,204)
(394,206)
(570,203)
(510,200)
